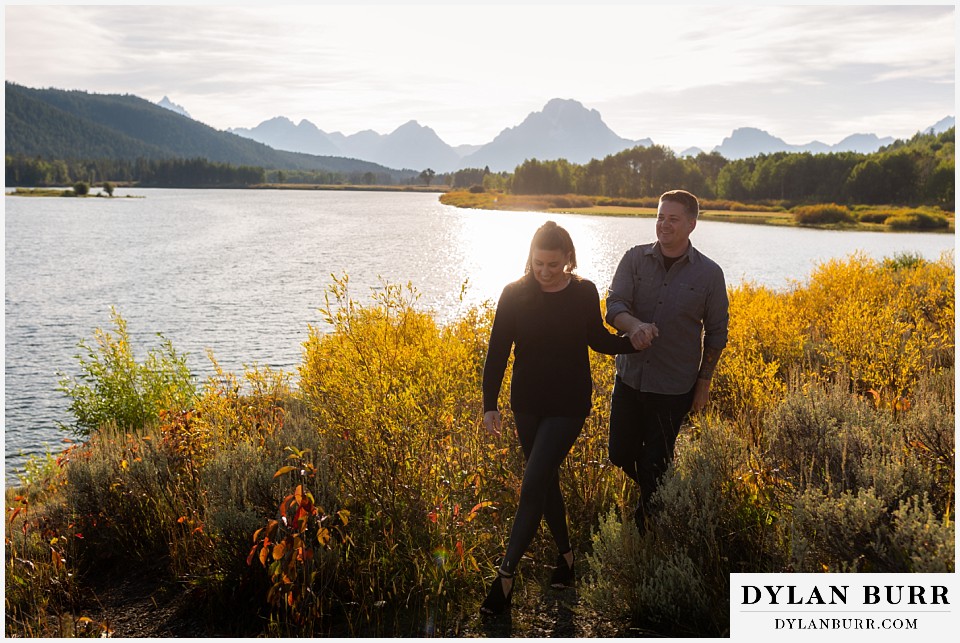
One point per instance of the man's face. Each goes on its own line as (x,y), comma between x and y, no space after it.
(674,226)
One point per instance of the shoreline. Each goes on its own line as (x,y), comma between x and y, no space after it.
(766,216)
(59,191)
(351,187)
(580,205)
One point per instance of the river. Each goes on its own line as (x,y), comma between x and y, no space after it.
(243,272)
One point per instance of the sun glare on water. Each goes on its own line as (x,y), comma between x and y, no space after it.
(494,247)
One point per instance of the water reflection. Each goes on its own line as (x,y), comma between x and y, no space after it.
(494,245)
(493,248)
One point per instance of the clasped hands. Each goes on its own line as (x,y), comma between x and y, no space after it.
(643,335)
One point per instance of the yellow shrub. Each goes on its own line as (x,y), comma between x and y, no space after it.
(765,339)
(884,323)
(232,409)
(397,399)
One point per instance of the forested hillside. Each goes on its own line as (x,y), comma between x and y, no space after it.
(55,124)
(37,128)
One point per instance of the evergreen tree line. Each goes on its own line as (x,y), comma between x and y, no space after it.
(913,172)
(24,171)
(181,173)
(322,177)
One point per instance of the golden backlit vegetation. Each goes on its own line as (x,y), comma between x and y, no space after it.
(363,487)
(866,217)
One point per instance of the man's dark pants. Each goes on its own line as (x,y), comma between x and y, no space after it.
(643,432)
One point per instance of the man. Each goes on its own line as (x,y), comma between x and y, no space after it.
(672,302)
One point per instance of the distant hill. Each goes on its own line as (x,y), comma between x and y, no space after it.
(745,142)
(280,133)
(464,150)
(415,146)
(942,125)
(36,128)
(564,129)
(410,146)
(71,124)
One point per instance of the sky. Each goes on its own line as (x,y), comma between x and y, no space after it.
(681,75)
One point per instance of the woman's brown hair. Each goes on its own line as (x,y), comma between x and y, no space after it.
(550,236)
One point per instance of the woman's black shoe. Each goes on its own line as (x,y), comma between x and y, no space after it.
(497,600)
(563,574)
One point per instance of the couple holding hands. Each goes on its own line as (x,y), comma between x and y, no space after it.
(668,300)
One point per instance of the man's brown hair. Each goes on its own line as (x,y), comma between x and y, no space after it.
(684,198)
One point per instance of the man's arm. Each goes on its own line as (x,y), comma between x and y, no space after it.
(620,305)
(641,334)
(701,392)
(714,339)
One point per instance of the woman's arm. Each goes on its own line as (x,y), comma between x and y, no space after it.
(598,337)
(498,351)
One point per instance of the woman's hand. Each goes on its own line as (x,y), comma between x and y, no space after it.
(491,422)
(642,335)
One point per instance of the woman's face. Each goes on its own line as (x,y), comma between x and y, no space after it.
(548,268)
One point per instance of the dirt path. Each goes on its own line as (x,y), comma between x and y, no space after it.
(140,605)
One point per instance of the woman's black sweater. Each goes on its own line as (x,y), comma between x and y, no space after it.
(550,333)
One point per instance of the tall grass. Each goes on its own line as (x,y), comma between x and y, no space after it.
(363,486)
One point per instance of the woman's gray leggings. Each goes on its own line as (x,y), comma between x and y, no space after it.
(546,441)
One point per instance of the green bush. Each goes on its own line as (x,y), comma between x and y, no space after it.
(652,582)
(115,389)
(138,501)
(41,592)
(873,216)
(81,188)
(643,202)
(822,214)
(714,514)
(918,220)
(857,531)
(725,204)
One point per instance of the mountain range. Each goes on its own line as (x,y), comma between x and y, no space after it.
(62,124)
(563,129)
(74,124)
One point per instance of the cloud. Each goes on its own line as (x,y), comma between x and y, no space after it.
(849,99)
(468,71)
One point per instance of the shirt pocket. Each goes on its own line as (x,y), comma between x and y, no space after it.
(646,293)
(691,299)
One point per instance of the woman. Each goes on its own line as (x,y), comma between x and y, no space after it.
(549,316)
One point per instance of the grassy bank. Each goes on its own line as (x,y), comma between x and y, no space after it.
(873,218)
(68,192)
(352,188)
(361,495)
(61,192)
